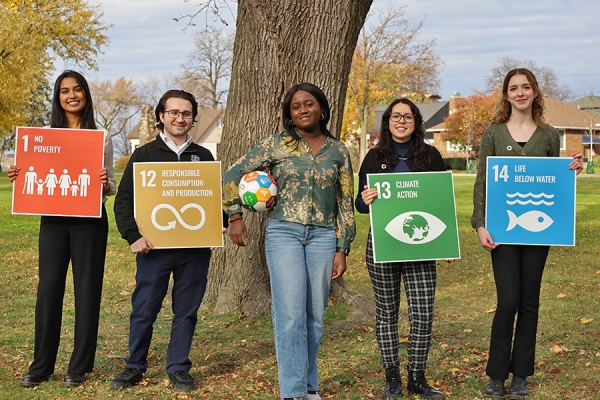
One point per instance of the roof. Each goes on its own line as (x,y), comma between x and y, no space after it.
(205,119)
(590,104)
(561,115)
(558,114)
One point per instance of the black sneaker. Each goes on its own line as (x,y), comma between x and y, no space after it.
(182,381)
(495,389)
(393,384)
(74,380)
(417,384)
(128,378)
(33,380)
(518,388)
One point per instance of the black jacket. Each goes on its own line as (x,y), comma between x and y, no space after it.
(156,150)
(372,165)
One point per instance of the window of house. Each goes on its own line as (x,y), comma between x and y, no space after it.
(451,146)
(563,139)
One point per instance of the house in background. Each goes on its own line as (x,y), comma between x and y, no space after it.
(207,129)
(590,104)
(574,127)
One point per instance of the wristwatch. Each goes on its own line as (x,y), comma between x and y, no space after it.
(342,250)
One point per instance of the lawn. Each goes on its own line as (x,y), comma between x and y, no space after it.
(234,357)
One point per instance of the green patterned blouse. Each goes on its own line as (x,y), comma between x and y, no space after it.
(313,190)
(497,141)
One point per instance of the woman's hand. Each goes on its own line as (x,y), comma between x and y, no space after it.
(13,172)
(237,232)
(485,239)
(142,245)
(104,180)
(339,265)
(577,163)
(368,195)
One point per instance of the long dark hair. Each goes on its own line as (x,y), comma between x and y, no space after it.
(58,117)
(178,94)
(318,94)
(385,147)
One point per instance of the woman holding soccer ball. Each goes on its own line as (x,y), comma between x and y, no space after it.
(308,232)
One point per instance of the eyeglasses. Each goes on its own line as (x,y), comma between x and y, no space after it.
(176,113)
(396,117)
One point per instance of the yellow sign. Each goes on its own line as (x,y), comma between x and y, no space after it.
(178,204)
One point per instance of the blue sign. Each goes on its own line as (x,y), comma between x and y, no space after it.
(531,200)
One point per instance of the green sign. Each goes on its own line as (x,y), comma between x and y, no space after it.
(414,217)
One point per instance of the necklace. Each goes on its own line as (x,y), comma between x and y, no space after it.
(317,145)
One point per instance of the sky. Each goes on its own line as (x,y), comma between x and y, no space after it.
(472,35)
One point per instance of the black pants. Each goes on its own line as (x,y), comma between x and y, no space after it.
(518,274)
(83,242)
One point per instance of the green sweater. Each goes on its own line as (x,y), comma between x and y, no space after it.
(497,141)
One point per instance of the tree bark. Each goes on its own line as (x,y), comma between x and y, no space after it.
(278,44)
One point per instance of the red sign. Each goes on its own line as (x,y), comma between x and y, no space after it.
(59,172)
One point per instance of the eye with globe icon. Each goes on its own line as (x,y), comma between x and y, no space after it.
(415,227)
(258,191)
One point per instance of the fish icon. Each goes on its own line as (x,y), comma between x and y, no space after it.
(533,221)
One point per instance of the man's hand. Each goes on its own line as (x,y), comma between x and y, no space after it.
(142,245)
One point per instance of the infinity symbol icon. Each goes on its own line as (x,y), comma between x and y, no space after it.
(172,224)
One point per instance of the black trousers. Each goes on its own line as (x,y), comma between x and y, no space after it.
(83,242)
(518,274)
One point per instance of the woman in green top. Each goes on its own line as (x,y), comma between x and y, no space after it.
(518,129)
(308,232)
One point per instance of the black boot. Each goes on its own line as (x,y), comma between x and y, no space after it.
(495,389)
(518,388)
(418,385)
(393,385)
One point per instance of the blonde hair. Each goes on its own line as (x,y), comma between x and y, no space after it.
(503,107)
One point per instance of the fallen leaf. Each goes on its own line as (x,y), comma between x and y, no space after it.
(561,296)
(124,293)
(588,364)
(404,340)
(556,349)
(465,359)
(490,310)
(468,330)
(598,272)
(586,320)
(557,371)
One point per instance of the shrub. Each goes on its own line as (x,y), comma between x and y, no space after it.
(122,162)
(456,163)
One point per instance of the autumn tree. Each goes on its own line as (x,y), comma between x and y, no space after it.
(469,119)
(32,36)
(545,76)
(278,44)
(116,104)
(208,68)
(390,59)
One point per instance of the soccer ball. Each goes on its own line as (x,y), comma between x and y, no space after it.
(258,191)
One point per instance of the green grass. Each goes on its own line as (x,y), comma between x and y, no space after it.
(234,357)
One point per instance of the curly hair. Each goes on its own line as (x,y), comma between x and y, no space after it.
(503,107)
(385,148)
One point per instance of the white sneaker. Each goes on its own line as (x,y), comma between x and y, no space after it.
(311,396)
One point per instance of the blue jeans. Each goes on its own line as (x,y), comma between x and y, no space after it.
(300,260)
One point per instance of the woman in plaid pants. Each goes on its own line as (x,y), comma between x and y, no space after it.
(401,148)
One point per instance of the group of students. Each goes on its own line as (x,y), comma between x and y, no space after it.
(308,236)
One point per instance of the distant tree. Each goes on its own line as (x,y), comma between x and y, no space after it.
(467,122)
(208,68)
(33,34)
(116,104)
(545,76)
(390,59)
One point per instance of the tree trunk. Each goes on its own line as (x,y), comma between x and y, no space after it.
(278,44)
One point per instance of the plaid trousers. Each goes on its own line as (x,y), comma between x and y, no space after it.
(419,284)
